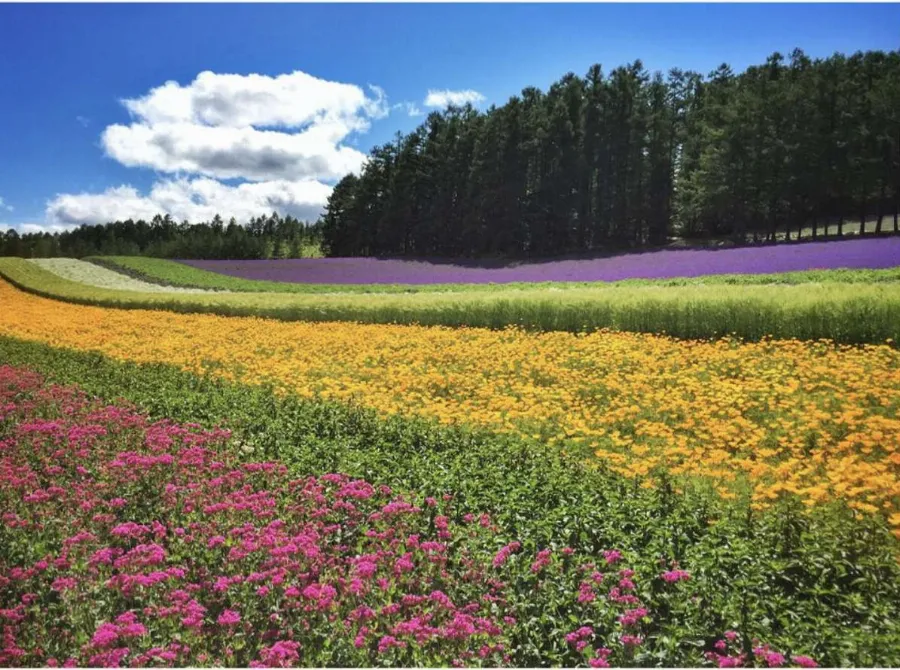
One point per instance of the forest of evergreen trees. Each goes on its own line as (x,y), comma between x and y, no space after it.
(263,237)
(625,159)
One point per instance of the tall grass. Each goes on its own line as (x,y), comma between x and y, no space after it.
(172,273)
(842,312)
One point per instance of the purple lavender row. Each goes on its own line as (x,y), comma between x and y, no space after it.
(876,253)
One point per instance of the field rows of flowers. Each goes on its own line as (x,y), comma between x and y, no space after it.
(131,542)
(834,305)
(174,273)
(101,277)
(862,253)
(771,418)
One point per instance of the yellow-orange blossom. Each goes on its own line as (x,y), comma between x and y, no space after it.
(788,416)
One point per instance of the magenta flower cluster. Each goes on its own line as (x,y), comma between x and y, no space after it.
(129,542)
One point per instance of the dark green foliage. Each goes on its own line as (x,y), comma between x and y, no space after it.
(263,237)
(825,583)
(628,159)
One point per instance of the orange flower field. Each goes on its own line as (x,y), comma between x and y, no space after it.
(773,417)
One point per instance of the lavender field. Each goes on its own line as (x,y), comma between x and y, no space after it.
(876,253)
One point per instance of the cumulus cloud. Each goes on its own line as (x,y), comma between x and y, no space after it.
(285,138)
(198,199)
(289,100)
(443,98)
(228,152)
(252,127)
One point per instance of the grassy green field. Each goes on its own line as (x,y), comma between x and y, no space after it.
(171,273)
(842,312)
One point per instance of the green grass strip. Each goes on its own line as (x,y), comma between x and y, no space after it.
(172,273)
(843,313)
(823,581)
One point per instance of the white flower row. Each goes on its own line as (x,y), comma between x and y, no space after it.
(94,275)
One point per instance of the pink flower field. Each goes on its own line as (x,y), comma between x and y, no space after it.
(131,542)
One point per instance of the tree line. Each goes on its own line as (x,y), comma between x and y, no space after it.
(271,236)
(628,158)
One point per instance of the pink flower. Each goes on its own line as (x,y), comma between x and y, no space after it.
(673,576)
(774,659)
(612,556)
(228,618)
(132,630)
(282,654)
(365,569)
(504,553)
(105,636)
(541,561)
(585,593)
(63,584)
(631,617)
(582,633)
(804,662)
(387,642)
(404,564)
(725,661)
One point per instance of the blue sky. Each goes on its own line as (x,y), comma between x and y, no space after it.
(72,152)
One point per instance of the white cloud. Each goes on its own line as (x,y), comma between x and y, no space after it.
(3,205)
(196,200)
(283,137)
(83,120)
(458,98)
(289,100)
(229,153)
(411,108)
(251,127)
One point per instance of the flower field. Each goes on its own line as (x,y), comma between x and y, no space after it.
(128,541)
(845,306)
(198,489)
(767,418)
(166,272)
(95,275)
(871,254)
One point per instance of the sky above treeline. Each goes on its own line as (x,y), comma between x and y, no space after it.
(125,111)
